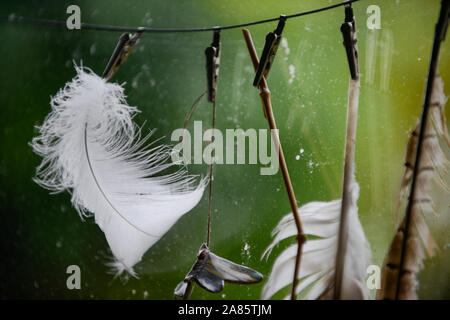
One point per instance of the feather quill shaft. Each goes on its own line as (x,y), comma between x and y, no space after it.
(92,148)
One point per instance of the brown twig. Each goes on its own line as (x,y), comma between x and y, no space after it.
(264,93)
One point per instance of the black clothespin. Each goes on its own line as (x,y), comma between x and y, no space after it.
(269,51)
(348,29)
(212,65)
(127,42)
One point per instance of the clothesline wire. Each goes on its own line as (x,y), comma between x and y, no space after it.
(89,26)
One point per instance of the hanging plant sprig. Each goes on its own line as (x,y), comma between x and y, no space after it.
(424,160)
(262,68)
(211,271)
(92,148)
(335,259)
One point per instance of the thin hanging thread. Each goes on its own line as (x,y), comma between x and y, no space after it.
(192,110)
(211,166)
(211,177)
(89,26)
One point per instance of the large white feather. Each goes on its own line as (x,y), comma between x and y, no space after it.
(320,219)
(92,148)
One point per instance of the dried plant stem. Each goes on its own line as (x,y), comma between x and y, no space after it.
(264,93)
(192,110)
(349,171)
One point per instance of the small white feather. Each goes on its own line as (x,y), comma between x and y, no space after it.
(92,148)
(320,219)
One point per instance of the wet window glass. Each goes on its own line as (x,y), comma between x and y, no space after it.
(43,234)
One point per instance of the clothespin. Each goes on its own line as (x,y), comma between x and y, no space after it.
(127,42)
(212,65)
(269,51)
(348,29)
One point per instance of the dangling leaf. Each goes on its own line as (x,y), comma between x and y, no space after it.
(211,271)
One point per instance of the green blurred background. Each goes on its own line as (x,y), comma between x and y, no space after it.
(42,234)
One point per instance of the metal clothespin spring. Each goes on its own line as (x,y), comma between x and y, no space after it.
(124,47)
(212,66)
(348,29)
(270,49)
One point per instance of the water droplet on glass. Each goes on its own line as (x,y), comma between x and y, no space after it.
(93,49)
